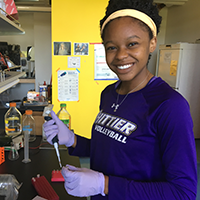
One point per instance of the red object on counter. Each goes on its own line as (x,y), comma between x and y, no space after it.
(43,188)
(2,155)
(57,176)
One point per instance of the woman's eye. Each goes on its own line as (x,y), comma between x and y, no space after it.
(110,48)
(132,44)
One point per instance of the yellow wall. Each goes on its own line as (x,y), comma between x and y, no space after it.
(78,21)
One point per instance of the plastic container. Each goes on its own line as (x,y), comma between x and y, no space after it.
(2,155)
(29,125)
(9,186)
(43,90)
(64,116)
(13,121)
(26,148)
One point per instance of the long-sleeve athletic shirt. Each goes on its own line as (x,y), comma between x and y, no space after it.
(146,147)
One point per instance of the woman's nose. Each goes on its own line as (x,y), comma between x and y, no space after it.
(121,54)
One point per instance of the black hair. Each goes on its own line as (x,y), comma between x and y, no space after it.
(145,6)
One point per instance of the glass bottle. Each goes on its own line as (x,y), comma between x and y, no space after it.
(13,121)
(64,115)
(29,125)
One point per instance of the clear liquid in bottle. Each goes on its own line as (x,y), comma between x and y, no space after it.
(13,121)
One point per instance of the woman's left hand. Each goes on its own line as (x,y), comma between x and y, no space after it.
(83,182)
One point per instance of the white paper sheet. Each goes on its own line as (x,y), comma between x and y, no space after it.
(68,85)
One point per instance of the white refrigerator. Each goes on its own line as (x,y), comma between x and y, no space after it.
(179,65)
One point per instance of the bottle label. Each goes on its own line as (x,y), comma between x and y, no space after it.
(66,122)
(9,129)
(43,90)
(27,128)
(11,119)
(12,124)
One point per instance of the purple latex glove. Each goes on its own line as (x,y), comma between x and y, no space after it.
(83,182)
(65,136)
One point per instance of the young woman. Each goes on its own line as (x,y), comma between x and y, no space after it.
(142,144)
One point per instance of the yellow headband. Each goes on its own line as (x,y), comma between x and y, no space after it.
(132,13)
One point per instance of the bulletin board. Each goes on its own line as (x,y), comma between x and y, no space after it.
(77,22)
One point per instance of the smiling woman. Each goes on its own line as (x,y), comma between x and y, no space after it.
(142,144)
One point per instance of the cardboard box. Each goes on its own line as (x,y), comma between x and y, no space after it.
(11,9)
(39,121)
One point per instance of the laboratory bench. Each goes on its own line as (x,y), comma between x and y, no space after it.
(43,161)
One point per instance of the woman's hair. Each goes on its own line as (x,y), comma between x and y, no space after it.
(145,6)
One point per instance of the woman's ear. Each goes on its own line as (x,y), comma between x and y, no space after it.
(153,44)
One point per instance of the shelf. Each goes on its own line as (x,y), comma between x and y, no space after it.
(26,80)
(10,81)
(8,27)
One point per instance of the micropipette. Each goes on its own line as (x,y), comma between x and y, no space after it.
(55,142)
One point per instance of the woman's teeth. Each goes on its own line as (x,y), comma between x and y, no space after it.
(124,66)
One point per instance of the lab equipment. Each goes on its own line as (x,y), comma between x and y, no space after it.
(2,155)
(13,121)
(29,125)
(9,186)
(43,188)
(26,147)
(43,90)
(64,115)
(56,176)
(46,112)
(66,136)
(55,142)
(13,154)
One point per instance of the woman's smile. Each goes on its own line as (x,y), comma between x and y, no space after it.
(124,66)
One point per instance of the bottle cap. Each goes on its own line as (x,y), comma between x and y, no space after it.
(29,112)
(63,105)
(12,104)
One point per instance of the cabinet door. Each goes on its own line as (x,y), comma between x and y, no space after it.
(168,64)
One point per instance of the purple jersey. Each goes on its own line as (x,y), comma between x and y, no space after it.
(146,147)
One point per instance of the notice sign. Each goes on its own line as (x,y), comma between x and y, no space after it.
(74,62)
(102,71)
(68,83)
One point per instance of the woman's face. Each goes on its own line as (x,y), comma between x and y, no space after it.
(127,45)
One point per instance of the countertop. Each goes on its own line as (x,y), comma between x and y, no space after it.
(43,162)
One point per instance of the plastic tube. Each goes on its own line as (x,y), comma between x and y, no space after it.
(26,147)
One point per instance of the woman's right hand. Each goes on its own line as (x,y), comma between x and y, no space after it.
(57,127)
